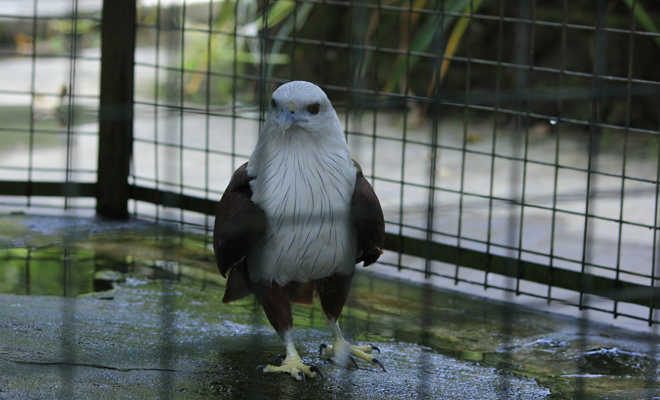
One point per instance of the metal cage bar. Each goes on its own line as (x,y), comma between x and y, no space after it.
(116,107)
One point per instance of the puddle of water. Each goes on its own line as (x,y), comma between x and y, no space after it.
(72,257)
(456,339)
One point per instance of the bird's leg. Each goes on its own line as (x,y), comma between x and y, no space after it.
(292,364)
(344,351)
(277,307)
(333,292)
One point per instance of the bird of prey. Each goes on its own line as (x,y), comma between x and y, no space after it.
(296,219)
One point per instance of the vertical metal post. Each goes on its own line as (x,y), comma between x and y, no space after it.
(116,108)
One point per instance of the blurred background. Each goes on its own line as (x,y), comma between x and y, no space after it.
(522,129)
(513,145)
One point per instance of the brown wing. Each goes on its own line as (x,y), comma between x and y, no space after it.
(368,216)
(238,224)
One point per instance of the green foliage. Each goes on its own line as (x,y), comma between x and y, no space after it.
(68,27)
(285,18)
(232,50)
(644,19)
(42,272)
(422,41)
(216,49)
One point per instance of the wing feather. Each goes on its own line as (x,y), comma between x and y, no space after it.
(368,217)
(238,224)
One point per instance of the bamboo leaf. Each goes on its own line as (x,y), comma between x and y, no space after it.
(423,40)
(644,19)
(455,38)
(277,13)
(301,17)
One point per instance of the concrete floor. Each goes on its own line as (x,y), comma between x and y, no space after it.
(162,330)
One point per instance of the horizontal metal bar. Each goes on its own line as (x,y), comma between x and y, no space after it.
(66,56)
(49,94)
(525,270)
(171,199)
(200,111)
(42,169)
(545,298)
(552,257)
(190,148)
(529,271)
(33,205)
(81,16)
(54,189)
(48,131)
(172,202)
(175,186)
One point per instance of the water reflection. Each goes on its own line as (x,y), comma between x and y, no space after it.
(57,272)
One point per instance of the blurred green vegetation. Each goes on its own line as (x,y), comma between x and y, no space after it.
(387,46)
(306,41)
(45,257)
(50,271)
(54,36)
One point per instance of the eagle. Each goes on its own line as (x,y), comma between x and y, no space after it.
(296,219)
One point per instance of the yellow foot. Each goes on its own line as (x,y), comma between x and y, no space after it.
(293,365)
(357,351)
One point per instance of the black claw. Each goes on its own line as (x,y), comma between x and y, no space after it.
(301,374)
(260,367)
(314,368)
(354,363)
(322,347)
(375,348)
(375,361)
(279,358)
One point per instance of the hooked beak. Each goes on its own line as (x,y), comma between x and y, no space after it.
(287,117)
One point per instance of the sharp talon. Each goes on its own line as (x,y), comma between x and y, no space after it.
(322,347)
(279,358)
(354,363)
(375,348)
(301,374)
(375,361)
(259,367)
(314,368)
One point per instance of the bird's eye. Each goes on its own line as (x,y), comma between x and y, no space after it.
(314,108)
(273,103)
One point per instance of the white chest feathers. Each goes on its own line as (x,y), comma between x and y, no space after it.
(306,196)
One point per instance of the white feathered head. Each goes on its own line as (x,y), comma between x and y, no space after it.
(301,107)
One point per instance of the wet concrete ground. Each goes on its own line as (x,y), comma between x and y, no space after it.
(143,319)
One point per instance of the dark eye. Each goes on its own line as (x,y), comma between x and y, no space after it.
(273,103)
(314,108)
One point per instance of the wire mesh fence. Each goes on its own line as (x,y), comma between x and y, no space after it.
(489,130)
(492,130)
(513,145)
(50,98)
